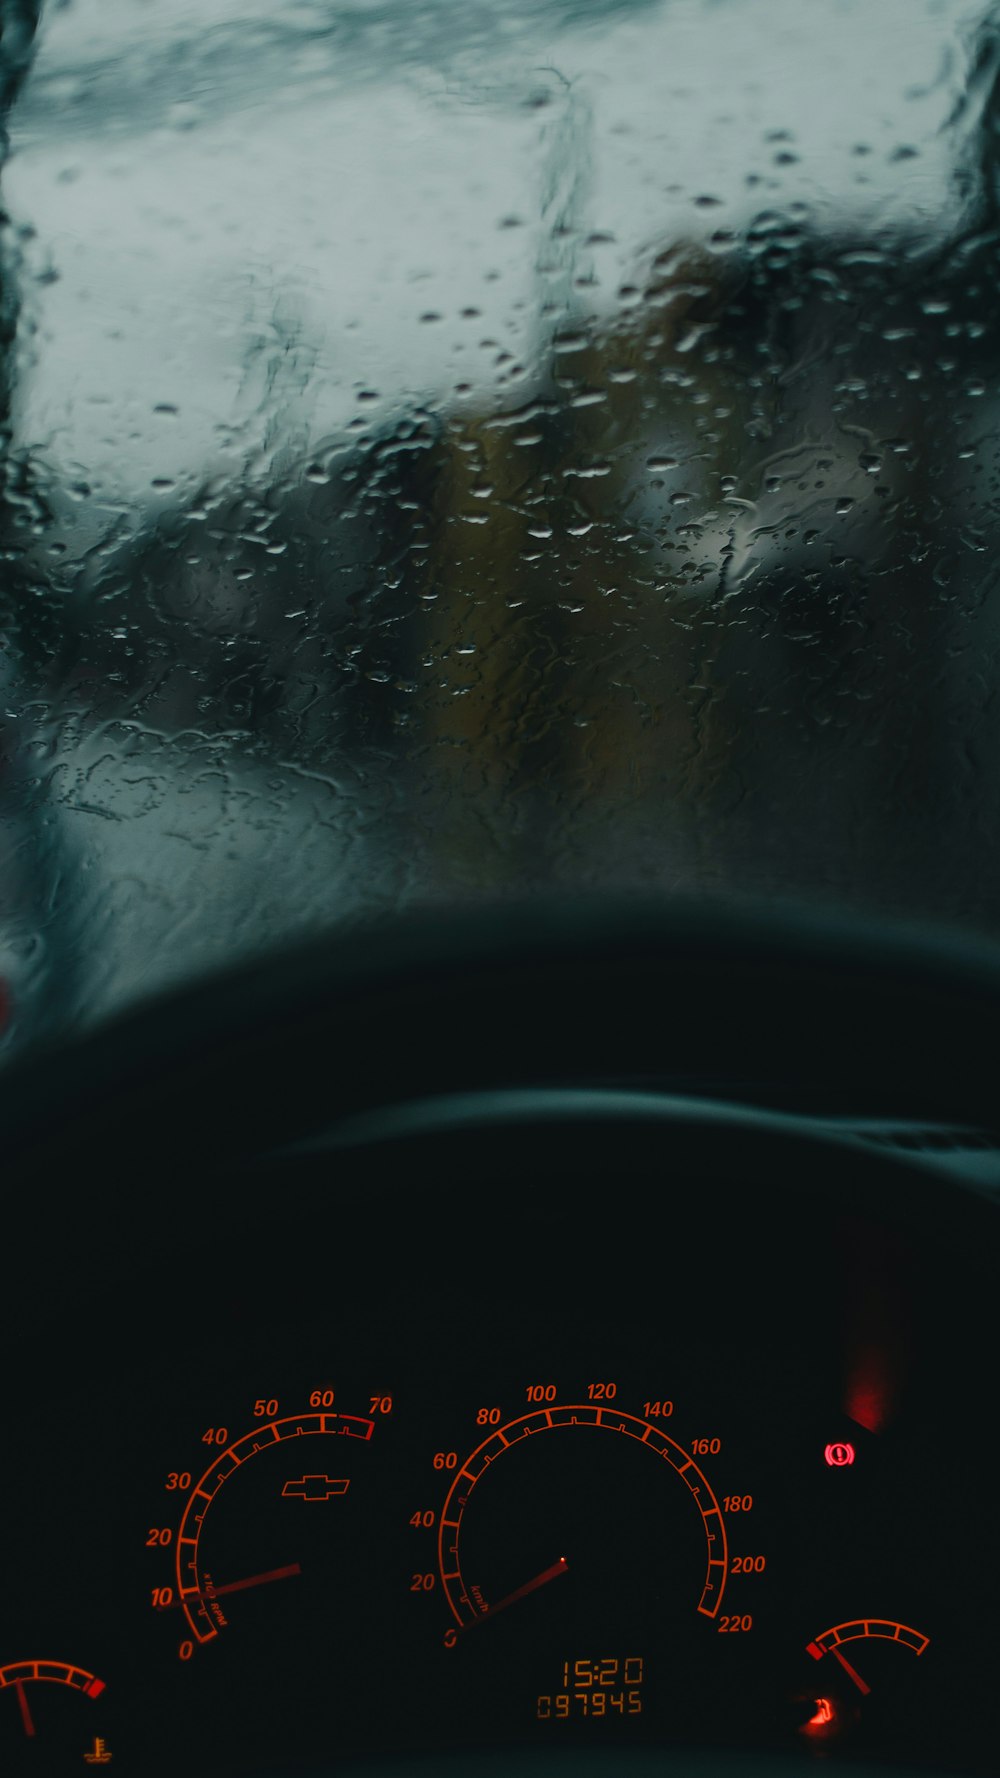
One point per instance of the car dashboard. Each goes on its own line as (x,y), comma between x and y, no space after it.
(565,1421)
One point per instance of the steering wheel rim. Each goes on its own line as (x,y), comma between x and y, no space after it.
(824,1012)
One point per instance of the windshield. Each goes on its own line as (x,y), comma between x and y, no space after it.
(454,449)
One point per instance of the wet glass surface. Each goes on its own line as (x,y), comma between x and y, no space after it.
(452,449)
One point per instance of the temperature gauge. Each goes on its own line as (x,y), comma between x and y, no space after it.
(45,1720)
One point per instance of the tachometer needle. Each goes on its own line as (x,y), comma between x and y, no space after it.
(864,1689)
(22,1698)
(530,1586)
(260,1580)
(239,1586)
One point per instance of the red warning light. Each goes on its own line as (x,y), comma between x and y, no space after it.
(824,1723)
(840,1455)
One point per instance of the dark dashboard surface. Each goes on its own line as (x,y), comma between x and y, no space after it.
(539,1422)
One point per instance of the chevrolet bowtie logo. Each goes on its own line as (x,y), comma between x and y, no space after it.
(314,1487)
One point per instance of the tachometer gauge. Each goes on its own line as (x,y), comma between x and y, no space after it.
(288,1477)
(262,1562)
(274,1503)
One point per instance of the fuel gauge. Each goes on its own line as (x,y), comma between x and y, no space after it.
(862,1677)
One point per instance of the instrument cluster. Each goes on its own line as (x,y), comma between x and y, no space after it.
(597,1465)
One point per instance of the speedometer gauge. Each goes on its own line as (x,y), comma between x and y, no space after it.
(583,1554)
(575,1497)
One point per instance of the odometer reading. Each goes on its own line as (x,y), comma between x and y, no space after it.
(595,1688)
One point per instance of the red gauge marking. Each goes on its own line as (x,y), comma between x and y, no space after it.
(54,1673)
(21,1673)
(884,1629)
(22,1698)
(530,1586)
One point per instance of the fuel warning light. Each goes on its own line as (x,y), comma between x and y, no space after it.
(824,1723)
(840,1455)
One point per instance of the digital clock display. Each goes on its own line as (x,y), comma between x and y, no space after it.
(606,1687)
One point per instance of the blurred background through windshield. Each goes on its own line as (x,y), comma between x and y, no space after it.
(454,447)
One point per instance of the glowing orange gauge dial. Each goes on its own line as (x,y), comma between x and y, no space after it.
(858,1629)
(18,1674)
(571,1421)
(196,1593)
(858,1677)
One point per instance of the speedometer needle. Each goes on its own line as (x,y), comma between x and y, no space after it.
(530,1586)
